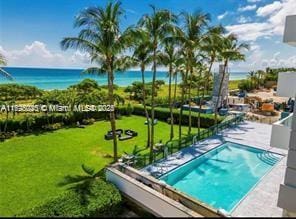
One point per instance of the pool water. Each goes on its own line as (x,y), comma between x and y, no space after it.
(224,175)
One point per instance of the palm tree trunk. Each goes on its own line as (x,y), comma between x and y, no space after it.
(175,88)
(145,107)
(200,99)
(170,103)
(189,103)
(152,104)
(181,107)
(206,81)
(219,93)
(112,113)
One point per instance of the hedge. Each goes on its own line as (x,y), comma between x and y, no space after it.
(38,121)
(163,114)
(102,199)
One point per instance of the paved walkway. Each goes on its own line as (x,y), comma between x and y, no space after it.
(262,200)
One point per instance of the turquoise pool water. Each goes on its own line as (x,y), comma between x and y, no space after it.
(222,176)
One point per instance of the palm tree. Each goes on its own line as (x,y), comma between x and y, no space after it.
(158,24)
(2,71)
(190,38)
(183,70)
(169,58)
(142,56)
(252,78)
(259,77)
(231,51)
(201,83)
(211,47)
(105,43)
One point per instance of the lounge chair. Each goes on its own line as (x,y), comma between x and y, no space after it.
(125,137)
(108,137)
(117,132)
(130,132)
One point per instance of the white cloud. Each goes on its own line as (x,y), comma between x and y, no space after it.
(247,8)
(221,16)
(249,31)
(37,54)
(269,9)
(273,24)
(277,61)
(257,58)
(243,19)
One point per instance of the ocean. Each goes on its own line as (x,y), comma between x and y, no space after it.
(48,79)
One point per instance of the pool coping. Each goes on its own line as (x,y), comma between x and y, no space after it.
(282,156)
(204,153)
(261,178)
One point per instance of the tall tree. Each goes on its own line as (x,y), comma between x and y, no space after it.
(193,26)
(102,38)
(142,56)
(169,58)
(231,51)
(211,46)
(158,24)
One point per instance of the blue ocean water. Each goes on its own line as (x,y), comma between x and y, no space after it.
(222,177)
(49,79)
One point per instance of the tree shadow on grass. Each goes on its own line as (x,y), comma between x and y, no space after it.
(82,184)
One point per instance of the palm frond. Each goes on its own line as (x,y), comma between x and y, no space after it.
(2,60)
(90,171)
(6,74)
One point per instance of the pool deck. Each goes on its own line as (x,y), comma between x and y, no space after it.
(262,200)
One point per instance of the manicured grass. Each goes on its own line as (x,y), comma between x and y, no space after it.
(32,166)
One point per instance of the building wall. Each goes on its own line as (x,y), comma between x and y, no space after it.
(280,135)
(290,30)
(149,199)
(287,194)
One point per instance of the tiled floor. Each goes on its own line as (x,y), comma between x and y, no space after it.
(262,200)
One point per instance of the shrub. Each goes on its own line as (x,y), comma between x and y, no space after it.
(246,85)
(51,127)
(129,109)
(88,121)
(7,135)
(101,199)
(18,92)
(57,120)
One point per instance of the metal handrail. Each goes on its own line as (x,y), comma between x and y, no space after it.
(212,130)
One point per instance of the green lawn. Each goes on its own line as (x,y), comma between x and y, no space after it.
(32,166)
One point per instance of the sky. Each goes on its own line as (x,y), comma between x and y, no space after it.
(31,30)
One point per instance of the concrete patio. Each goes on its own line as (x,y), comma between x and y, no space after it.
(262,200)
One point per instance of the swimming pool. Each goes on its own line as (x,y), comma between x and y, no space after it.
(223,176)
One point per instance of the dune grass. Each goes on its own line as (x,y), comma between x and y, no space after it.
(32,166)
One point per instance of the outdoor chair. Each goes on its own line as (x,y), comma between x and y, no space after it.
(130,132)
